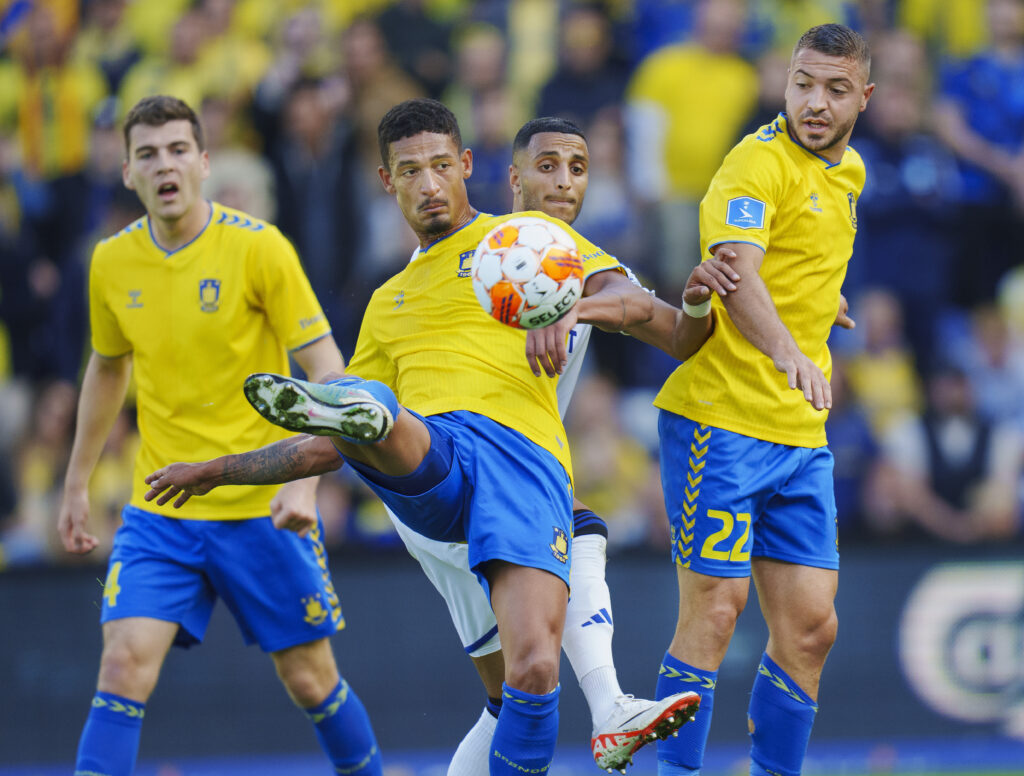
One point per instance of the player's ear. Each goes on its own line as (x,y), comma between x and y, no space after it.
(467,162)
(513,180)
(125,177)
(867,96)
(385,179)
(204,164)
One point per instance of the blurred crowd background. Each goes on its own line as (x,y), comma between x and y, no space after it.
(928,424)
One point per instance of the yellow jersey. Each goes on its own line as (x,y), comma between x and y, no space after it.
(425,334)
(197,321)
(802,212)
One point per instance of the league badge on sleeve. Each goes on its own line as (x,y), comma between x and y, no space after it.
(745,212)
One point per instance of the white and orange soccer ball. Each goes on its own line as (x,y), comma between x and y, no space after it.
(527,272)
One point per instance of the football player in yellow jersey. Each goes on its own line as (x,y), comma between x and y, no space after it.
(746,471)
(477,452)
(549,173)
(192,297)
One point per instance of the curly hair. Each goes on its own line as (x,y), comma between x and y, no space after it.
(412,117)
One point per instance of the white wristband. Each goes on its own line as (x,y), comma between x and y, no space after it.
(701,310)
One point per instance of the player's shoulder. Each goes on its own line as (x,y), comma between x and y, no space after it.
(239,224)
(124,239)
(766,143)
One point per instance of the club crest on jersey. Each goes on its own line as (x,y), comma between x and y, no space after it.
(134,304)
(466,263)
(209,295)
(745,213)
(853,208)
(315,612)
(559,545)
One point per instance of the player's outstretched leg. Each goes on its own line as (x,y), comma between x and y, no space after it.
(634,722)
(360,411)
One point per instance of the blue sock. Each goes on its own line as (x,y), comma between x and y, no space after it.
(344,731)
(780,717)
(110,738)
(524,740)
(684,754)
(377,390)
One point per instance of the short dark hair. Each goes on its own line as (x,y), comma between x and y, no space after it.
(544,124)
(159,109)
(836,40)
(410,118)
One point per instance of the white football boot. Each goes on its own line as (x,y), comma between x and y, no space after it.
(635,722)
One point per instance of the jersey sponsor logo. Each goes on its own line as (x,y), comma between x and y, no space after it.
(399,299)
(853,208)
(209,295)
(745,213)
(815,202)
(465,263)
(315,611)
(305,323)
(559,545)
(134,303)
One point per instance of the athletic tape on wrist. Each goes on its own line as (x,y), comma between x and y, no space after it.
(701,310)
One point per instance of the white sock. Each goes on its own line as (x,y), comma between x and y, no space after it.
(587,639)
(601,688)
(473,757)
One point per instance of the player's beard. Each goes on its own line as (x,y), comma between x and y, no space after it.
(829,141)
(437,225)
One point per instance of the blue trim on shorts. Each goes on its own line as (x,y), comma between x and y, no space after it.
(481,641)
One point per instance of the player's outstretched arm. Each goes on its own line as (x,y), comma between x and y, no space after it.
(102,395)
(681,334)
(290,459)
(610,301)
(752,310)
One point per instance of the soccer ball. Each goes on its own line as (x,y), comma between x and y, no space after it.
(527,272)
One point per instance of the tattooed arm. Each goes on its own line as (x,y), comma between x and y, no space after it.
(290,459)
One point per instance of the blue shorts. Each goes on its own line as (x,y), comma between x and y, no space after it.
(508,498)
(276,584)
(732,497)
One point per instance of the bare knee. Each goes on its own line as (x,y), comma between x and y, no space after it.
(535,671)
(308,672)
(128,671)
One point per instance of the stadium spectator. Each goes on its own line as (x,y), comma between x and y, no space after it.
(106,40)
(420,43)
(591,77)
(178,71)
(948,473)
(980,116)
(912,190)
(856,453)
(671,156)
(314,161)
(480,67)
(241,179)
(882,370)
(993,360)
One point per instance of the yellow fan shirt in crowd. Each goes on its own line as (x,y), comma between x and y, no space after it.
(425,335)
(802,212)
(196,322)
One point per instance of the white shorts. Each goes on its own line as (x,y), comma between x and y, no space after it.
(446,565)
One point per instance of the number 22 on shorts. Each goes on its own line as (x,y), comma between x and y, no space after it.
(716,547)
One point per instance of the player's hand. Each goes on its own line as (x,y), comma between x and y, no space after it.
(711,276)
(183,480)
(294,507)
(804,375)
(74,512)
(546,348)
(842,317)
